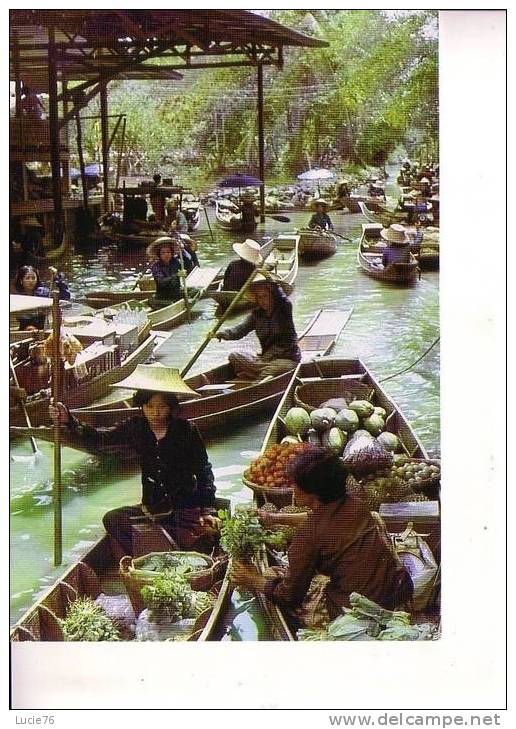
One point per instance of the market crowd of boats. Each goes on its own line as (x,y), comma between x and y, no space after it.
(342,541)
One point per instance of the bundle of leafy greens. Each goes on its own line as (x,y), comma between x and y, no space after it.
(87,621)
(169,597)
(242,535)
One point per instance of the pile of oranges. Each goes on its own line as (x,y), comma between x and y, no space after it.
(269,469)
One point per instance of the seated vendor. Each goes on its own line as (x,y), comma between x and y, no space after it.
(398,250)
(237,272)
(320,219)
(28,282)
(166,267)
(337,550)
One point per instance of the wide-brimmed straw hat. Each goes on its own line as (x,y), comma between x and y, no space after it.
(425,179)
(395,234)
(32,221)
(320,201)
(249,250)
(157,378)
(164,240)
(271,278)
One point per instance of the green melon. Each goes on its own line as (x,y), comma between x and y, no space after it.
(374,424)
(347,420)
(297,421)
(363,408)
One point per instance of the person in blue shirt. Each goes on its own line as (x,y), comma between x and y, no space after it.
(321,219)
(166,268)
(28,282)
(398,250)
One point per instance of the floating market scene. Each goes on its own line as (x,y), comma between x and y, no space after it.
(224,326)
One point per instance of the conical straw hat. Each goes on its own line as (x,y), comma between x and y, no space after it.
(395,234)
(157,378)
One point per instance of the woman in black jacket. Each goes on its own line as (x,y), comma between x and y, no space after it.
(178,487)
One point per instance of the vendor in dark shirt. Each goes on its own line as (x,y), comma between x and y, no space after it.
(272,323)
(249,212)
(166,267)
(177,480)
(339,540)
(321,219)
(238,271)
(28,283)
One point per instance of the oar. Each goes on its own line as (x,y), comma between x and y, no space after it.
(56,397)
(219,322)
(37,452)
(342,236)
(209,226)
(280,218)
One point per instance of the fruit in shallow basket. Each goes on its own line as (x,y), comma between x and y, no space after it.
(292,509)
(269,507)
(270,469)
(415,497)
(297,421)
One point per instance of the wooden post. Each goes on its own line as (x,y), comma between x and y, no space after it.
(56,397)
(53,121)
(84,182)
(66,160)
(120,153)
(261,143)
(17,80)
(105,144)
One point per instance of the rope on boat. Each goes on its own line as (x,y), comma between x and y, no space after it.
(414,363)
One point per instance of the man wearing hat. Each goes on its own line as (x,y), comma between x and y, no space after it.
(249,212)
(376,189)
(343,193)
(398,250)
(273,324)
(320,219)
(178,488)
(237,272)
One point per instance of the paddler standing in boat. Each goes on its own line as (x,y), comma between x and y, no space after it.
(273,324)
(178,488)
(338,549)
(320,219)
(165,266)
(249,211)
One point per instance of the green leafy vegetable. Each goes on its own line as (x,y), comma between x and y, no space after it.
(87,621)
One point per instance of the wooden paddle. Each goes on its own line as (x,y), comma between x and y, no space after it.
(339,235)
(209,226)
(219,322)
(182,274)
(24,409)
(280,218)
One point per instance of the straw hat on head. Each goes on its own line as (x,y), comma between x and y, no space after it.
(424,180)
(395,234)
(164,240)
(271,278)
(320,201)
(249,250)
(31,221)
(248,196)
(157,378)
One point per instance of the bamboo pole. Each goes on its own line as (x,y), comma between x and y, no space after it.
(105,142)
(53,121)
(185,287)
(81,161)
(219,323)
(261,142)
(23,408)
(56,397)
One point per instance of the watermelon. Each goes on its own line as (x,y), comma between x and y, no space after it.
(347,420)
(374,424)
(363,408)
(322,419)
(389,441)
(335,439)
(297,421)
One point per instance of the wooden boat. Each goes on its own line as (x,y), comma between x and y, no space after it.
(396,273)
(192,210)
(316,243)
(330,378)
(98,573)
(381,216)
(228,216)
(199,278)
(426,252)
(104,364)
(281,256)
(52,254)
(354,202)
(224,398)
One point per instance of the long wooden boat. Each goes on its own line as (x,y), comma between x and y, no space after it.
(381,215)
(330,378)
(192,211)
(131,240)
(397,273)
(354,203)
(281,256)
(97,573)
(316,244)
(228,217)
(104,365)
(426,252)
(224,399)
(199,278)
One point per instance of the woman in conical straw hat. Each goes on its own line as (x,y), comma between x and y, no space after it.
(177,480)
(320,219)
(165,266)
(272,322)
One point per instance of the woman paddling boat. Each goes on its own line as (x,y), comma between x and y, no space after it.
(166,267)
(273,324)
(177,479)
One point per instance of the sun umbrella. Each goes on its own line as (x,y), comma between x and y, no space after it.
(315,175)
(240,180)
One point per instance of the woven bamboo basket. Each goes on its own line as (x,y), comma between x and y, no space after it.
(135,578)
(280,496)
(311,395)
(279,519)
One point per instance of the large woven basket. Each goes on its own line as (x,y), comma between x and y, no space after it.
(277,495)
(311,395)
(135,578)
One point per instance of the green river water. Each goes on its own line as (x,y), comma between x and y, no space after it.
(389,329)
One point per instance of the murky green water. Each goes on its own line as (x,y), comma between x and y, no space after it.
(390,328)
